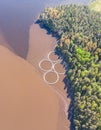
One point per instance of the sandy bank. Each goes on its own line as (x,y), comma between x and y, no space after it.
(26,103)
(40,44)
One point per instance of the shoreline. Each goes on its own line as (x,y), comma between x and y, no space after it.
(38,49)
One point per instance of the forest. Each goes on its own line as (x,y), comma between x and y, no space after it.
(78,30)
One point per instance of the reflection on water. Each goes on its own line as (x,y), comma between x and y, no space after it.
(15,18)
(17,15)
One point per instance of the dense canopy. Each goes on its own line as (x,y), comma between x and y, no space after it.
(79,32)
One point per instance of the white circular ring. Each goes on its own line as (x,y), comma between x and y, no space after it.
(43,68)
(44,77)
(49,57)
(57,71)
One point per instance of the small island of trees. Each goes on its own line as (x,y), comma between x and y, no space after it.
(79,32)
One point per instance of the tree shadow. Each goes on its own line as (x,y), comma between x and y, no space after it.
(49,32)
(67,87)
